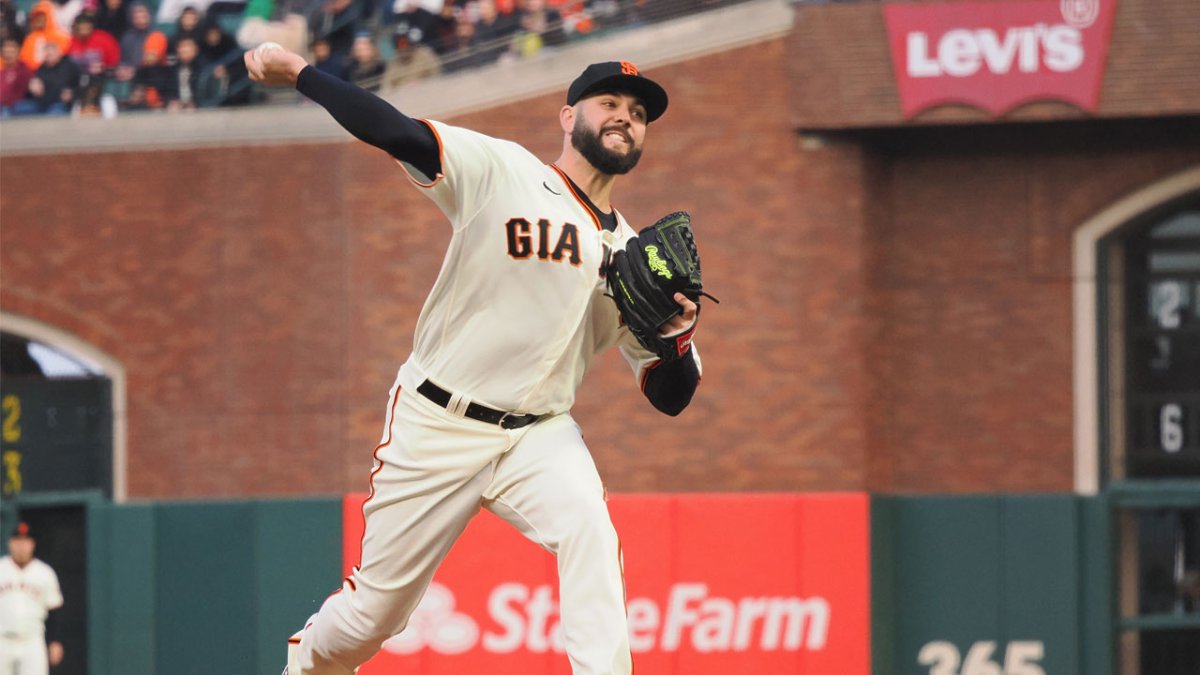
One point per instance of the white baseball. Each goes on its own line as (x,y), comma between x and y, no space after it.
(265,47)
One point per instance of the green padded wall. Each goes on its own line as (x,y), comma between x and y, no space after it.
(207,587)
(961,581)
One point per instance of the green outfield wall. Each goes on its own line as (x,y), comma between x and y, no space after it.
(983,585)
(206,588)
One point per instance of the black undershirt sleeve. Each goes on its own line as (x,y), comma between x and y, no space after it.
(670,386)
(52,625)
(373,120)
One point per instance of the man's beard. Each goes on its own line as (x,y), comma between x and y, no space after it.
(590,145)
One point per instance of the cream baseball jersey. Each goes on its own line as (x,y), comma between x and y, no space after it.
(518,310)
(26,595)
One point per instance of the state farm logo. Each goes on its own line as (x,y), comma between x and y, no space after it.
(526,618)
(436,625)
(999,55)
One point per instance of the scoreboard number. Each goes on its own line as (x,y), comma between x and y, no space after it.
(1168,299)
(1021,657)
(1170,427)
(12,419)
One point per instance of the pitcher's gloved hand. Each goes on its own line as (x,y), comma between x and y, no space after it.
(644,278)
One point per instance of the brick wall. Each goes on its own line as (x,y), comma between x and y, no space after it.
(895,307)
(970,292)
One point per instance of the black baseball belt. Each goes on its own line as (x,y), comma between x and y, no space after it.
(506,420)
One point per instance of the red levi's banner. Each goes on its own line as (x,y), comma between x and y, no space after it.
(716,584)
(999,55)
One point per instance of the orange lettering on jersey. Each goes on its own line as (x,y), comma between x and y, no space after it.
(628,68)
(520,244)
(568,241)
(605,257)
(543,239)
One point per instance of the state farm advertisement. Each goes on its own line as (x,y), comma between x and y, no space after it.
(999,55)
(716,584)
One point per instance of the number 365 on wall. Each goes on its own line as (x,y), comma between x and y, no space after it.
(1021,657)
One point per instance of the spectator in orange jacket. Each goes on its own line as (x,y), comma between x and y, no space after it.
(43,28)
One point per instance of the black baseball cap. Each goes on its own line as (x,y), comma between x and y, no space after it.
(22,530)
(619,75)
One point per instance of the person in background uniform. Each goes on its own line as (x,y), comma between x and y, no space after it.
(29,593)
(479,415)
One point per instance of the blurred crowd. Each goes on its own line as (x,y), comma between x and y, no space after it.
(101,57)
(114,57)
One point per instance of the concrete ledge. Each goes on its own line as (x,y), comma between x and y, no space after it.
(443,97)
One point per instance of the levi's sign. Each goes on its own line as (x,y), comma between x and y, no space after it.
(716,584)
(999,55)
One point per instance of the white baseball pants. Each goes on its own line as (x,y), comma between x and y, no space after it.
(25,656)
(433,472)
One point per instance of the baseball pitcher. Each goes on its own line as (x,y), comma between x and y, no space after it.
(541,275)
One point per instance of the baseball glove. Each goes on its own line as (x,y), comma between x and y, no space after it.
(644,277)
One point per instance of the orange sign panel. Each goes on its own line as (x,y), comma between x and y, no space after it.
(716,584)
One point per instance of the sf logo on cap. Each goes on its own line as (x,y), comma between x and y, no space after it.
(628,68)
